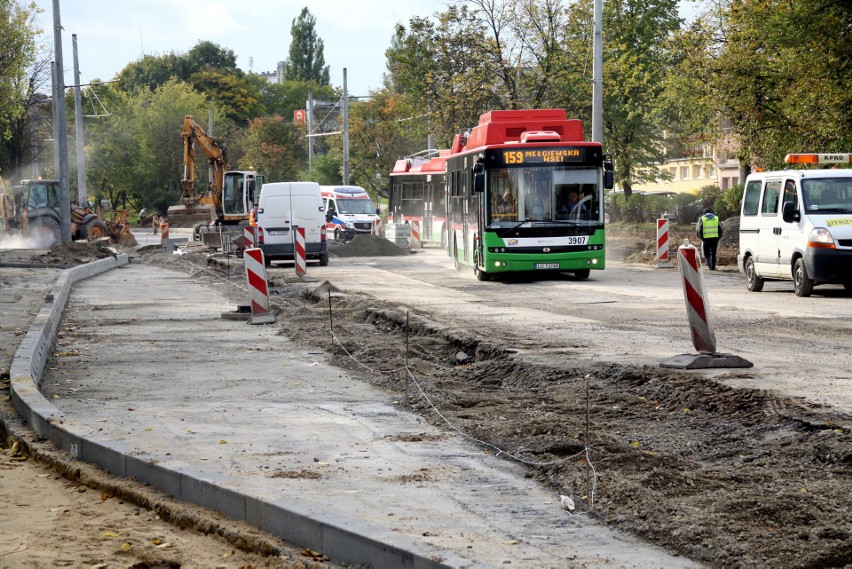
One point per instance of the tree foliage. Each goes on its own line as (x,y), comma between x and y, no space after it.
(18,55)
(783,75)
(306,60)
(274,147)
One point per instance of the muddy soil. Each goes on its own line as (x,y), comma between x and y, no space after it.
(731,477)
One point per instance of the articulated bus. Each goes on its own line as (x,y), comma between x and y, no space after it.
(418,193)
(525,193)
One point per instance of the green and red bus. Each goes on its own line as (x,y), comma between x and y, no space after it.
(525,192)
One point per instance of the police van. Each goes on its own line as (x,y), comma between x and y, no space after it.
(796,224)
(349,211)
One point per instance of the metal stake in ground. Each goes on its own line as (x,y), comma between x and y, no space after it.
(330,321)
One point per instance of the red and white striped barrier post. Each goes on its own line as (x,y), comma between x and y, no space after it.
(697,307)
(415,234)
(164,231)
(250,235)
(663,244)
(258,291)
(377,228)
(299,257)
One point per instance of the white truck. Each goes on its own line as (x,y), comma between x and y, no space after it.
(284,206)
(797,225)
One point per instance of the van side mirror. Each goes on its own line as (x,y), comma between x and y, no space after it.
(790,212)
(329,215)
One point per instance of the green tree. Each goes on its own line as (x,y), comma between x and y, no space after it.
(274,147)
(635,60)
(306,61)
(139,151)
(442,72)
(783,75)
(18,76)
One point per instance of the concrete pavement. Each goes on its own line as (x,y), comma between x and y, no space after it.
(157,386)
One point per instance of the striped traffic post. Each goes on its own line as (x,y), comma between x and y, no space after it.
(164,231)
(377,228)
(415,234)
(301,265)
(258,291)
(663,243)
(249,234)
(697,307)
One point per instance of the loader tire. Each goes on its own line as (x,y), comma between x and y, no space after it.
(45,231)
(95,229)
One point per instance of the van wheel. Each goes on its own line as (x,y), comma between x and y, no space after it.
(323,260)
(753,282)
(804,285)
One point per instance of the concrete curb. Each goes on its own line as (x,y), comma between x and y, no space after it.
(296,521)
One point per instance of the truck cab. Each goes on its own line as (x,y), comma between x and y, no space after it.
(796,225)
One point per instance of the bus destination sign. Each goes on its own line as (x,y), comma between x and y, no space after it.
(517,157)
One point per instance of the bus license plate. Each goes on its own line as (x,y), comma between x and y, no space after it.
(546,266)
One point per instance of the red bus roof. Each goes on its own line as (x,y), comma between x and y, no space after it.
(534,125)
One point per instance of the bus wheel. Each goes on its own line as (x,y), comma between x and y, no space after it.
(582,274)
(477,270)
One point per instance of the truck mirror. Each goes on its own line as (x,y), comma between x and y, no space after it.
(608,180)
(329,215)
(790,213)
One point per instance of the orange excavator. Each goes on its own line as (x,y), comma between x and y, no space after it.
(231,194)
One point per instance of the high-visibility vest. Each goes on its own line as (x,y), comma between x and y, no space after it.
(710,227)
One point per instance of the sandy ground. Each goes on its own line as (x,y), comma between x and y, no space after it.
(727,468)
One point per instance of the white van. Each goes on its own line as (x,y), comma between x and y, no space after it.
(797,225)
(349,211)
(283,206)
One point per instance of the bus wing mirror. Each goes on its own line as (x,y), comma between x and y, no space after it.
(608,177)
(479,182)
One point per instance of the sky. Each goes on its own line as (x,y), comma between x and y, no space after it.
(113,33)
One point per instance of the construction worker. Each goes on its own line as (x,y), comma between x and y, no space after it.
(709,230)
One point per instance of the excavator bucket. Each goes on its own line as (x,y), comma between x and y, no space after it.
(190,216)
(126,238)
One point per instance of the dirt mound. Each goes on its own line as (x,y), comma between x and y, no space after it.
(367,246)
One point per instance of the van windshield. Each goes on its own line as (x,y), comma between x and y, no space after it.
(355,206)
(827,194)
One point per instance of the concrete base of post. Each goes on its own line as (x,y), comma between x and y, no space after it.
(705,361)
(243,312)
(265,318)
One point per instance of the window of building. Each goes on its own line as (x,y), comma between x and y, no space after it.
(711,172)
(673,172)
(684,172)
(696,172)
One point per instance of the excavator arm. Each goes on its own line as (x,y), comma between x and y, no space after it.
(190,211)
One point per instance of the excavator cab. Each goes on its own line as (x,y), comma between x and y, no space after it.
(240,190)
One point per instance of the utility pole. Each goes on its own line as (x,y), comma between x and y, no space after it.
(310,125)
(60,128)
(78,122)
(345,105)
(597,75)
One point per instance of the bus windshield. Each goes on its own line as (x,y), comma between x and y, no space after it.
(543,194)
(355,206)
